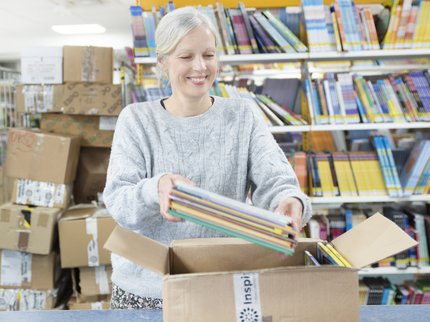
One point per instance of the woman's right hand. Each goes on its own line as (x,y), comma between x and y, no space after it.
(165,185)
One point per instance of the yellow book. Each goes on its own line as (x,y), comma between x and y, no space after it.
(325,176)
(344,174)
(358,174)
(338,255)
(330,253)
(375,173)
(223,90)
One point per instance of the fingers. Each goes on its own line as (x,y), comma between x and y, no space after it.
(293,208)
(165,186)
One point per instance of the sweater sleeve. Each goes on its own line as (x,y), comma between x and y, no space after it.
(130,193)
(270,173)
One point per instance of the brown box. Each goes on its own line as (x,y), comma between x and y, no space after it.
(42,156)
(95,280)
(228,279)
(26,300)
(91,176)
(28,229)
(83,230)
(39,193)
(14,272)
(102,305)
(88,64)
(70,98)
(88,127)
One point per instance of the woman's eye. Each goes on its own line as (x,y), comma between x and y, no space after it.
(209,55)
(185,57)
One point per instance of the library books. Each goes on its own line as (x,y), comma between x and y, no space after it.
(203,267)
(232,217)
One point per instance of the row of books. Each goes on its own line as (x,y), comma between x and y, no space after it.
(329,224)
(363,173)
(233,218)
(347,98)
(408,26)
(380,291)
(342,26)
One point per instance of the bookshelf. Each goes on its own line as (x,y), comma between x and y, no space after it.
(394,271)
(366,199)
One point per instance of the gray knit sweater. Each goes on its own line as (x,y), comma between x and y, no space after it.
(226,150)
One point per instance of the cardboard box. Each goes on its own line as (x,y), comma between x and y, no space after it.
(95,280)
(92,129)
(83,230)
(228,279)
(42,65)
(43,194)
(25,270)
(91,176)
(28,229)
(70,98)
(26,300)
(102,305)
(42,156)
(6,186)
(88,64)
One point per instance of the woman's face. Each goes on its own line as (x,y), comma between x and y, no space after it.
(192,66)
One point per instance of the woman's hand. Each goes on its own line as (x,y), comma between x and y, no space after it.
(165,186)
(293,208)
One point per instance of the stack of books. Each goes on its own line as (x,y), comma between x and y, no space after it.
(233,218)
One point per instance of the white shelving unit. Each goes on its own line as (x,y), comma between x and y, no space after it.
(394,271)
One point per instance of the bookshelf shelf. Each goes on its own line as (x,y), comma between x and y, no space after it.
(313,56)
(394,271)
(350,127)
(376,199)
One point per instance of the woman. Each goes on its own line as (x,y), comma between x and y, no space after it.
(215,143)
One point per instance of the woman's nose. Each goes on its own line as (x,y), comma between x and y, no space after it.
(199,63)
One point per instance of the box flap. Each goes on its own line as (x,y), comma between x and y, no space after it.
(374,239)
(139,249)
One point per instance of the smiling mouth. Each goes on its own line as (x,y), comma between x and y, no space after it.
(197,80)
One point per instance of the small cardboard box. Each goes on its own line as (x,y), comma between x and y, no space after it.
(95,280)
(91,176)
(42,156)
(228,279)
(83,230)
(43,194)
(28,229)
(101,305)
(42,65)
(88,64)
(70,98)
(92,129)
(26,300)
(28,271)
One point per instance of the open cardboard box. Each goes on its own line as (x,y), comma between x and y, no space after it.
(228,279)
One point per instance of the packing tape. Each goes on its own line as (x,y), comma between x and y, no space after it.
(102,280)
(92,247)
(97,306)
(88,65)
(247,297)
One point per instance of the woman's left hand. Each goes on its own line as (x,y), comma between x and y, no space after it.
(293,208)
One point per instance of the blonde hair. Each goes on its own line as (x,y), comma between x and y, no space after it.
(175,25)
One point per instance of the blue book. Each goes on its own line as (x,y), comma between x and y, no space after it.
(348,219)
(393,168)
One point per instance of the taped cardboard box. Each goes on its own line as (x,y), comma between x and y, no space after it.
(231,280)
(88,64)
(28,229)
(6,186)
(42,156)
(42,65)
(102,305)
(91,176)
(70,98)
(27,271)
(95,280)
(95,131)
(83,230)
(39,193)
(26,300)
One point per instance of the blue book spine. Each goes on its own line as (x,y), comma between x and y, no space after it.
(348,219)
(393,168)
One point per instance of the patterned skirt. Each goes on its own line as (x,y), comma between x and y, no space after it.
(125,300)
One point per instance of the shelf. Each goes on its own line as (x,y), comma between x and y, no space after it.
(313,56)
(394,271)
(366,199)
(349,127)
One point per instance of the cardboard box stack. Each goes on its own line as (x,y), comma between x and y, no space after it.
(43,167)
(83,230)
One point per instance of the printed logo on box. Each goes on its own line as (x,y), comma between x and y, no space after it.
(247,297)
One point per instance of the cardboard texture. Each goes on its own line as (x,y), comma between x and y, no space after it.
(102,305)
(70,98)
(88,64)
(88,127)
(83,230)
(26,300)
(42,65)
(228,279)
(91,175)
(28,229)
(6,186)
(95,280)
(43,194)
(41,276)
(42,156)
